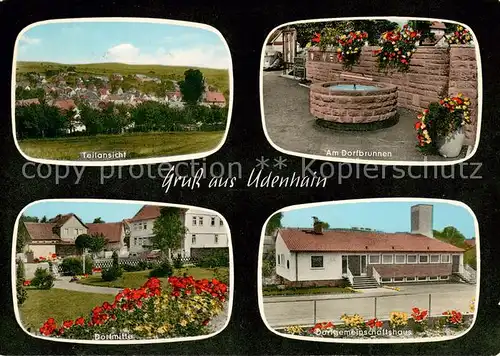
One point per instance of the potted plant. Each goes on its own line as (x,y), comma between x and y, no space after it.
(397,48)
(440,127)
(461,36)
(349,48)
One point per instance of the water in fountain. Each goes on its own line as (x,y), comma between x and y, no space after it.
(353,87)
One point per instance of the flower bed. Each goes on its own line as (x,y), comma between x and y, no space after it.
(399,325)
(50,258)
(184,308)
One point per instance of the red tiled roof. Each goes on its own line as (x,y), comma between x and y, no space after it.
(215,97)
(438,25)
(60,219)
(147,212)
(470,242)
(111,231)
(25,102)
(414,270)
(65,104)
(339,241)
(41,231)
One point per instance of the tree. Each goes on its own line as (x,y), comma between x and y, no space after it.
(274,223)
(96,243)
(193,86)
(168,230)
(23,238)
(98,221)
(451,235)
(83,242)
(44,219)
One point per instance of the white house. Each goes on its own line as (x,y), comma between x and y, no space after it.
(141,229)
(367,258)
(203,231)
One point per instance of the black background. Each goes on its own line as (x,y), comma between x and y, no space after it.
(245,26)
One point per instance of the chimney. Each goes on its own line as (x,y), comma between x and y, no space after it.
(318,226)
(421,220)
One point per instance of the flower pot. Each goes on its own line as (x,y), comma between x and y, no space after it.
(451,145)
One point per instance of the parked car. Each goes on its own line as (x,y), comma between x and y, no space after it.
(153,254)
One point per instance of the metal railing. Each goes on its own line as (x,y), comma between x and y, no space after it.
(350,276)
(296,310)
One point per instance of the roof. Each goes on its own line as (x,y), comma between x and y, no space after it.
(438,25)
(470,242)
(147,212)
(215,96)
(41,231)
(60,219)
(111,231)
(65,104)
(339,241)
(24,102)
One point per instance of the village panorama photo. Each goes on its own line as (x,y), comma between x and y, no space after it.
(121,272)
(393,90)
(91,90)
(385,270)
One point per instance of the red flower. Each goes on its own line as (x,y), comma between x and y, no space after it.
(374,323)
(68,323)
(316,38)
(80,321)
(26,283)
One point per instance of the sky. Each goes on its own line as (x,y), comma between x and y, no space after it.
(87,211)
(123,42)
(384,216)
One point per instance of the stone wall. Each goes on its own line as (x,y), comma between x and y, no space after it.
(434,72)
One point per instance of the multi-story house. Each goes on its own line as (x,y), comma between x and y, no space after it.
(203,231)
(141,229)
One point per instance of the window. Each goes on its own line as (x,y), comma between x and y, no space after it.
(221,222)
(75,231)
(400,258)
(398,279)
(135,241)
(316,261)
(66,231)
(386,280)
(287,264)
(216,238)
(201,220)
(433,278)
(410,279)
(444,278)
(423,259)
(422,278)
(278,262)
(387,259)
(193,239)
(212,222)
(445,258)
(411,259)
(374,259)
(194,220)
(144,226)
(282,259)
(434,258)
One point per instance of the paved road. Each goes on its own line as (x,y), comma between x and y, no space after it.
(290,126)
(282,311)
(64,283)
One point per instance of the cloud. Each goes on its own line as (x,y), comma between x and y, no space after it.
(209,56)
(26,40)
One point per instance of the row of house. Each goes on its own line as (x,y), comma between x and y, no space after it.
(203,231)
(306,256)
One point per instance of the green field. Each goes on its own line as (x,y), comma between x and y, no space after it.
(59,304)
(216,77)
(136,145)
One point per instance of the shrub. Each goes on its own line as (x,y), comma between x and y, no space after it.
(163,270)
(143,265)
(111,274)
(267,268)
(353,321)
(131,268)
(72,266)
(398,319)
(21,293)
(216,258)
(43,279)
(178,262)
(222,274)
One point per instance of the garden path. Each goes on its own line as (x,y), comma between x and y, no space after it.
(64,283)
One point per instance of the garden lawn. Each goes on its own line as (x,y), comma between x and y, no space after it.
(59,304)
(273,291)
(137,279)
(135,145)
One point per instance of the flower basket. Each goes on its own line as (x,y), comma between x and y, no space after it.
(461,36)
(397,48)
(440,127)
(349,48)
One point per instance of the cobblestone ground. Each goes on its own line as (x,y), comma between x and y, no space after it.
(291,127)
